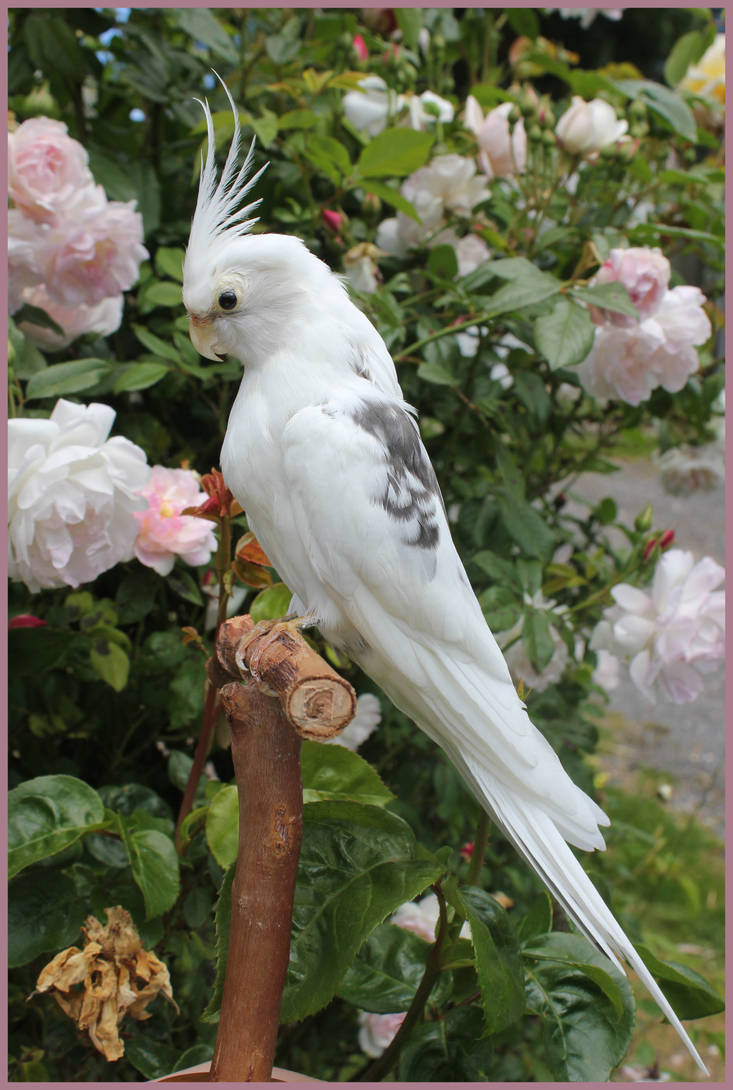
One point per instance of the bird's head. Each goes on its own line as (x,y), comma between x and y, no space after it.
(239,287)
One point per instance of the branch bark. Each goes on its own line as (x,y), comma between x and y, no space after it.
(293,694)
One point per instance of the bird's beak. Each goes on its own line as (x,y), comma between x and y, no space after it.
(201,332)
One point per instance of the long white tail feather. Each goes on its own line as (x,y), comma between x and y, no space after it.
(536,837)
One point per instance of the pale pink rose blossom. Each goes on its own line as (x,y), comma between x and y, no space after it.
(377,1031)
(586,127)
(688,469)
(72,496)
(164,533)
(421,917)
(643,272)
(46,168)
(672,633)
(502,148)
(373,106)
(101,318)
(25,247)
(97,255)
(606,673)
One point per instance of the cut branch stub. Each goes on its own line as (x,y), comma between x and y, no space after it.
(314,698)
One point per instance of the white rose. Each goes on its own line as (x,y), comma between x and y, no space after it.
(371,107)
(586,127)
(71,496)
(671,633)
(421,116)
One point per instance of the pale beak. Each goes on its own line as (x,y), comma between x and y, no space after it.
(201,332)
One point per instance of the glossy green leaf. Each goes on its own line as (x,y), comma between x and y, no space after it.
(223,919)
(685,51)
(139,376)
(44,915)
(392,197)
(537,639)
(154,863)
(334,772)
(66,378)
(538,921)
(498,966)
(528,528)
(222,825)
(271,603)
(169,262)
(667,103)
(451,1050)
(565,335)
(328,155)
(437,374)
(585,1003)
(388,970)
(394,152)
(612,296)
(689,994)
(357,864)
(203,26)
(46,815)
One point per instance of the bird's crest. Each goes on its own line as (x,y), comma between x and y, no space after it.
(220,215)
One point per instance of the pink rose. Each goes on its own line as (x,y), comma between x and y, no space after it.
(102,318)
(163,532)
(96,254)
(376,1031)
(26,620)
(502,149)
(46,168)
(645,275)
(24,257)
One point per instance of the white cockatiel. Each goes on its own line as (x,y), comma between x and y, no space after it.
(325,457)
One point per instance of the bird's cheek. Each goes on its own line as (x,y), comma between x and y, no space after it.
(203,337)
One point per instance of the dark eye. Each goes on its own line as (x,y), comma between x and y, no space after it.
(228,300)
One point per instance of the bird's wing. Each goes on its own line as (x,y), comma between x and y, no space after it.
(370,518)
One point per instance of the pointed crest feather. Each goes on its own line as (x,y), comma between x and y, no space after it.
(220,215)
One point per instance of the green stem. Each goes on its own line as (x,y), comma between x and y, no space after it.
(384,1064)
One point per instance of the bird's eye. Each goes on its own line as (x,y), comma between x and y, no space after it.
(228,300)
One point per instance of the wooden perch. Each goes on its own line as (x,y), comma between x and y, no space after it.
(295,693)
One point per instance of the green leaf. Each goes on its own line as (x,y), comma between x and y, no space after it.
(328,155)
(46,815)
(686,51)
(334,772)
(203,27)
(613,297)
(451,1050)
(435,372)
(527,527)
(497,959)
(538,920)
(387,971)
(154,863)
(297,119)
(530,389)
(410,21)
(565,335)
(394,152)
(156,345)
(222,825)
(139,376)
(152,1057)
(357,864)
(443,262)
(110,662)
(537,639)
(271,603)
(159,293)
(689,994)
(666,103)
(44,914)
(223,920)
(37,650)
(36,316)
(585,1003)
(393,197)
(184,586)
(169,262)
(524,22)
(525,289)
(67,378)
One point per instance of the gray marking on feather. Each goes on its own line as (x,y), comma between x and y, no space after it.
(412,493)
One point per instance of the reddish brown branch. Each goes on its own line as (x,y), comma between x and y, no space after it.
(309,699)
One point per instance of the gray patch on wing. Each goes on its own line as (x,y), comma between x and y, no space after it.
(412,494)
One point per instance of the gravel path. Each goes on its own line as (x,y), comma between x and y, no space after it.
(688,740)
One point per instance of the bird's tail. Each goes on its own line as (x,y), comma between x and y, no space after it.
(537,839)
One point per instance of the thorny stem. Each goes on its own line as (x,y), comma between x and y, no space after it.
(433,966)
(211,703)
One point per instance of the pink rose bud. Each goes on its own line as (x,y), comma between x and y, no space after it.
(26,620)
(649,548)
(360,47)
(467,850)
(332,219)
(666,539)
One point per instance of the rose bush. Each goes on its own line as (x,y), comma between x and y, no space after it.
(534,222)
